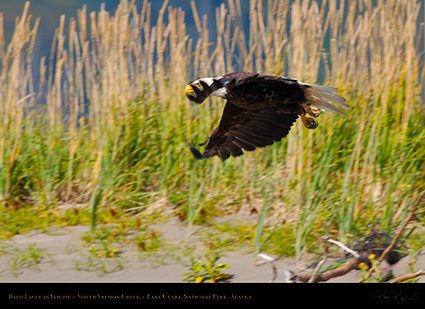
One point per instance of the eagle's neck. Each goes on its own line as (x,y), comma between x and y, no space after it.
(218,89)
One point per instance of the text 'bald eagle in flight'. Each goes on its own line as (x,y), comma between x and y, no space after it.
(260,109)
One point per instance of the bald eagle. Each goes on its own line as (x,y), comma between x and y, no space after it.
(260,110)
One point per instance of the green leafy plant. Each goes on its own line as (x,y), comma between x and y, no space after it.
(206,270)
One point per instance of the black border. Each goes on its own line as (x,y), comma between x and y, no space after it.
(240,294)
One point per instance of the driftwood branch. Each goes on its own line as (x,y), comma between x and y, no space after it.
(333,273)
(400,232)
(357,258)
(397,237)
(327,275)
(407,277)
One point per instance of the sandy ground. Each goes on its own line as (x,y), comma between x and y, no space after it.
(67,260)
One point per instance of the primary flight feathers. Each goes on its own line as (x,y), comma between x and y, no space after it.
(260,109)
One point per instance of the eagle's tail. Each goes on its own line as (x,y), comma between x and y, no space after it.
(319,96)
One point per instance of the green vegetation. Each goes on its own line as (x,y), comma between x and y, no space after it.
(108,125)
(29,257)
(207,269)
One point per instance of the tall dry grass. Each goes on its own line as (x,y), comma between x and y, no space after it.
(114,125)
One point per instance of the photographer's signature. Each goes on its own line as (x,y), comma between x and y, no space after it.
(397,296)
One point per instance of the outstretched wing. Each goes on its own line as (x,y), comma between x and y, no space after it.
(246,129)
(244,78)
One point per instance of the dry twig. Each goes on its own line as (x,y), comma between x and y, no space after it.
(271,260)
(320,264)
(344,247)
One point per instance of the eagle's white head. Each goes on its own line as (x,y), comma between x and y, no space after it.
(199,90)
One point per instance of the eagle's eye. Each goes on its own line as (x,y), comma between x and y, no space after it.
(198,85)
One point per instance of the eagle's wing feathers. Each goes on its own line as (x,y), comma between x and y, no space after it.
(245,78)
(247,129)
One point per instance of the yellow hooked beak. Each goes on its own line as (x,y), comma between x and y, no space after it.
(188,90)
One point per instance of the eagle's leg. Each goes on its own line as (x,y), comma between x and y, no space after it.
(308,122)
(316,111)
(312,110)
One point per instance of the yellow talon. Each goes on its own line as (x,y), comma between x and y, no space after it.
(309,123)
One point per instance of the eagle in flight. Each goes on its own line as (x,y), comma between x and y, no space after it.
(260,110)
